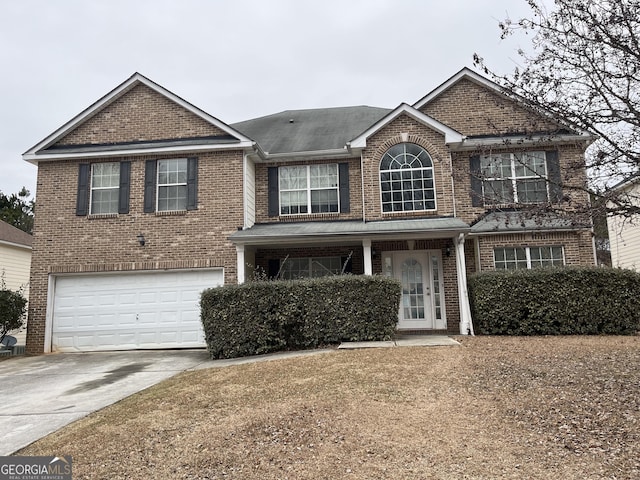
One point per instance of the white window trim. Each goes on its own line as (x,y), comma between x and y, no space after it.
(158,184)
(433,177)
(514,178)
(527,250)
(92,188)
(308,189)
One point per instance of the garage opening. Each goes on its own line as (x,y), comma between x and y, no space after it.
(128,311)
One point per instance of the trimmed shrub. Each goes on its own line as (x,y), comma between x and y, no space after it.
(556,301)
(262,317)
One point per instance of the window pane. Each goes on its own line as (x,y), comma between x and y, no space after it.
(324,176)
(105,183)
(172,172)
(293,202)
(498,191)
(323,201)
(293,178)
(532,191)
(104,201)
(172,198)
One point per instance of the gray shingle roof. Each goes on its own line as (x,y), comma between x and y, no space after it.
(310,130)
(497,222)
(441,227)
(11,234)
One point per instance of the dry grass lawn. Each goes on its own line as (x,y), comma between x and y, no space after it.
(530,408)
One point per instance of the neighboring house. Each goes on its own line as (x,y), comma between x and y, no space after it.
(624,232)
(144,200)
(15,258)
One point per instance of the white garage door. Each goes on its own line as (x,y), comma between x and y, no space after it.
(130,311)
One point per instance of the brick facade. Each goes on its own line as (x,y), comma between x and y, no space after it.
(66,243)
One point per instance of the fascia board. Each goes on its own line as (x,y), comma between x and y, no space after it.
(35,157)
(528,230)
(339,238)
(474,144)
(450,135)
(308,155)
(116,93)
(16,245)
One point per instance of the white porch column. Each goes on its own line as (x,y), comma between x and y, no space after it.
(368,265)
(466,324)
(240,267)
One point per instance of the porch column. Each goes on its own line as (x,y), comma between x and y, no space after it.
(368,265)
(466,325)
(240,263)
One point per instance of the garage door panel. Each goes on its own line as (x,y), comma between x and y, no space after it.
(130,311)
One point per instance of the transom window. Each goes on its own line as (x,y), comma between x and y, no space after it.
(294,268)
(514,258)
(514,178)
(406,179)
(308,189)
(105,183)
(172,185)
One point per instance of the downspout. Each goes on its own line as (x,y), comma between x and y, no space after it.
(466,323)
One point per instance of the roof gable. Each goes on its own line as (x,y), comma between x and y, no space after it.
(450,135)
(122,117)
(483,109)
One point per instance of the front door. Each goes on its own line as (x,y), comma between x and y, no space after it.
(422,303)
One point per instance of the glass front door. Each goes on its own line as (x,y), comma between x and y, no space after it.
(422,303)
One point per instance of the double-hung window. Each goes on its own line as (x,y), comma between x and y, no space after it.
(103,188)
(170,185)
(308,189)
(509,178)
(105,184)
(514,258)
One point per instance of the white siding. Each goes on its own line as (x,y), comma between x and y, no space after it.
(249,192)
(15,264)
(624,237)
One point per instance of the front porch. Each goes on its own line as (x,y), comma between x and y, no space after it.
(426,255)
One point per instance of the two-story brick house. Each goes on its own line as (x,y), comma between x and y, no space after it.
(143,200)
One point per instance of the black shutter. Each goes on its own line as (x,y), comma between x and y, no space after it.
(273,193)
(555,177)
(192,183)
(150,186)
(476,181)
(274,267)
(343,183)
(82,200)
(125,183)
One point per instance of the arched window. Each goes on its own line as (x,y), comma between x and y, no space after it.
(406,179)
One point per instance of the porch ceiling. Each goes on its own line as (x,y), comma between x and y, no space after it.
(313,232)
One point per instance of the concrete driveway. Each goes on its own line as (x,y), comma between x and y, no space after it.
(39,395)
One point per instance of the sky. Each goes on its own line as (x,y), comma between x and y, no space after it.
(234,59)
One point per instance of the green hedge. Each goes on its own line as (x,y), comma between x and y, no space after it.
(262,317)
(556,301)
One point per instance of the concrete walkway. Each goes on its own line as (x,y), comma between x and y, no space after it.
(404,341)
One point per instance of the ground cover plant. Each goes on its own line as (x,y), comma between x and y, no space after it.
(492,408)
